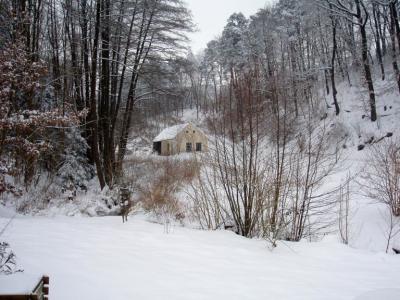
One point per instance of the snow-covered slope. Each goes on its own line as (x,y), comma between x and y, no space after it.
(368,220)
(101,258)
(354,117)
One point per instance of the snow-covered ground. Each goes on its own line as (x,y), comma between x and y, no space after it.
(101,258)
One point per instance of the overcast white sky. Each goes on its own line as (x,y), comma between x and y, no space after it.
(210,17)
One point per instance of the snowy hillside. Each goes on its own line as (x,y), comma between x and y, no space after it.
(369,220)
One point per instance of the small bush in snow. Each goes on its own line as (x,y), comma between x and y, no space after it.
(8,262)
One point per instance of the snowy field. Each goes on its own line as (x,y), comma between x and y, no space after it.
(101,258)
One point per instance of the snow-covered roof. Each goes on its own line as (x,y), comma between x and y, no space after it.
(170,132)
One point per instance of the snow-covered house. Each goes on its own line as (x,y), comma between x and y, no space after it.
(180,138)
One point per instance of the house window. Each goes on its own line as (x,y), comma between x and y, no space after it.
(198,147)
(188,147)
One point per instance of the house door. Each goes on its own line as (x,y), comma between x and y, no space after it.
(157,147)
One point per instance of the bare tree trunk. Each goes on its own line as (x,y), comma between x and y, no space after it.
(93,119)
(382,29)
(76,69)
(55,48)
(143,46)
(394,11)
(334,51)
(104,103)
(293,69)
(86,69)
(364,45)
(393,31)
(378,41)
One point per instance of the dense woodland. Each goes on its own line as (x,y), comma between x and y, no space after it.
(76,75)
(89,63)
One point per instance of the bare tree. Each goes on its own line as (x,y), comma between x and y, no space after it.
(344,212)
(333,61)
(237,142)
(360,18)
(393,28)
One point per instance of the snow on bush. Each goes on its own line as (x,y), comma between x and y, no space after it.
(8,260)
(26,126)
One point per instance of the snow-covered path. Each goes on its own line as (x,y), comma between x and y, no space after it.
(101,258)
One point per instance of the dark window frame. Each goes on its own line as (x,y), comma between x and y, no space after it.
(199,147)
(189,147)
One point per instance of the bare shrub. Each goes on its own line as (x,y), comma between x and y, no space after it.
(266,181)
(313,160)
(237,153)
(207,208)
(392,228)
(381,180)
(159,194)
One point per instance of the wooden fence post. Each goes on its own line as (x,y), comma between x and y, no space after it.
(40,292)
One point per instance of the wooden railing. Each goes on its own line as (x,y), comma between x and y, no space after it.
(40,292)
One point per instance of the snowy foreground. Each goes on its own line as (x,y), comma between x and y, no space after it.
(101,258)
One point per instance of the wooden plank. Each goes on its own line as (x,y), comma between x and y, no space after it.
(46,279)
(42,288)
(38,288)
(19,297)
(40,292)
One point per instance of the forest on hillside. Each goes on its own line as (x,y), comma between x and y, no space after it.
(79,79)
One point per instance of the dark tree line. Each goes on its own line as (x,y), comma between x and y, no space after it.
(313,41)
(100,56)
